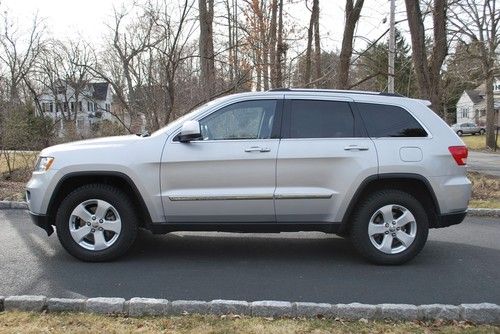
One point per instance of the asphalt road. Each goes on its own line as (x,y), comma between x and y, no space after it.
(459,264)
(487,163)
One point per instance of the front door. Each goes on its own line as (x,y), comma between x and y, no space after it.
(230,175)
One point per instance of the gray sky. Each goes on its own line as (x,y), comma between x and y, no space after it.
(85,18)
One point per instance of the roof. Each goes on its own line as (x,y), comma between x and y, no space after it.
(475,95)
(100,90)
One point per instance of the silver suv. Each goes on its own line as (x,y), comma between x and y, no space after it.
(468,128)
(376,168)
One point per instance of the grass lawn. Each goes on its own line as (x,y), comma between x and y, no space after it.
(485,191)
(478,143)
(22,322)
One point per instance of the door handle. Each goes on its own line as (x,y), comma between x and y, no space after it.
(355,148)
(257,149)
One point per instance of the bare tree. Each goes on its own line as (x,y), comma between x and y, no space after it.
(272,42)
(352,15)
(280,47)
(206,42)
(313,33)
(19,52)
(479,22)
(428,64)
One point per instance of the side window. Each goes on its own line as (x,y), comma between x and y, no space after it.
(320,119)
(242,120)
(389,121)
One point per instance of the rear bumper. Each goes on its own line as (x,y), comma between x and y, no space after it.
(43,222)
(449,219)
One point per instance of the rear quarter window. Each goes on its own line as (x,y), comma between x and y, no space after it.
(389,121)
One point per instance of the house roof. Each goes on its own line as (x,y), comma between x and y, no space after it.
(100,90)
(475,95)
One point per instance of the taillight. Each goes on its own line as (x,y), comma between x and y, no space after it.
(459,153)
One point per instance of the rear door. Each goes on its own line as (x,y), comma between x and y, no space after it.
(323,157)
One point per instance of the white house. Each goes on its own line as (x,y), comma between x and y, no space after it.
(92,104)
(471,107)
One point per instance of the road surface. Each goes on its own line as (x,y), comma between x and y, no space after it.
(460,264)
(487,163)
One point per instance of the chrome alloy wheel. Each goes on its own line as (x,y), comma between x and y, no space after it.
(95,225)
(392,229)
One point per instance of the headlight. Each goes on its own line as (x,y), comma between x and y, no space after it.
(43,164)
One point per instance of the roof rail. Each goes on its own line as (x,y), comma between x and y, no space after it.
(279,90)
(334,91)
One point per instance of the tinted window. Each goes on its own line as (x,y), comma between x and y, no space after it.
(389,121)
(320,119)
(242,120)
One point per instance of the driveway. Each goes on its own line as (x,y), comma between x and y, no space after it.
(459,264)
(487,163)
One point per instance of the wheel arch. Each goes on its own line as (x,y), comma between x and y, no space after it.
(73,180)
(415,184)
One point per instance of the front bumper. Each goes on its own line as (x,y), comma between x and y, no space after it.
(449,219)
(43,222)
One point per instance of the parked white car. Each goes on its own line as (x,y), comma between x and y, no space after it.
(379,169)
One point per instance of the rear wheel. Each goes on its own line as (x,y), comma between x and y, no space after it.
(96,222)
(482,132)
(460,133)
(390,227)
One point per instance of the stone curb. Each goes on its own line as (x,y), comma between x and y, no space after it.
(5,205)
(477,212)
(483,212)
(484,313)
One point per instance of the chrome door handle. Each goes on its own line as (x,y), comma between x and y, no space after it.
(257,149)
(355,148)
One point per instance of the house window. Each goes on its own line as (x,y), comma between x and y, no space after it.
(72,106)
(80,106)
(51,107)
(80,124)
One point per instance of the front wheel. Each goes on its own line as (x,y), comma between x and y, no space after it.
(389,227)
(460,133)
(482,132)
(96,222)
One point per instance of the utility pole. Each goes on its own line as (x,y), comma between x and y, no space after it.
(392,48)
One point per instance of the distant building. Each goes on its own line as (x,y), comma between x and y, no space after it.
(92,104)
(471,107)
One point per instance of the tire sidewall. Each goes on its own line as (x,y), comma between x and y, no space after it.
(376,201)
(111,195)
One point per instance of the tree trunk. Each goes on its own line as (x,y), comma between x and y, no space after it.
(280,49)
(206,45)
(317,43)
(352,13)
(428,69)
(490,111)
(272,42)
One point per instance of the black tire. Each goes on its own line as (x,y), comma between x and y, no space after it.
(368,207)
(120,201)
(460,133)
(482,132)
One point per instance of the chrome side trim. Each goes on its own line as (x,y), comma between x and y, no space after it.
(303,196)
(248,197)
(219,198)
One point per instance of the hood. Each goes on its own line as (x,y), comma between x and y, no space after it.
(105,142)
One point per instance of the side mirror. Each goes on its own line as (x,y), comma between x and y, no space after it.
(190,131)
